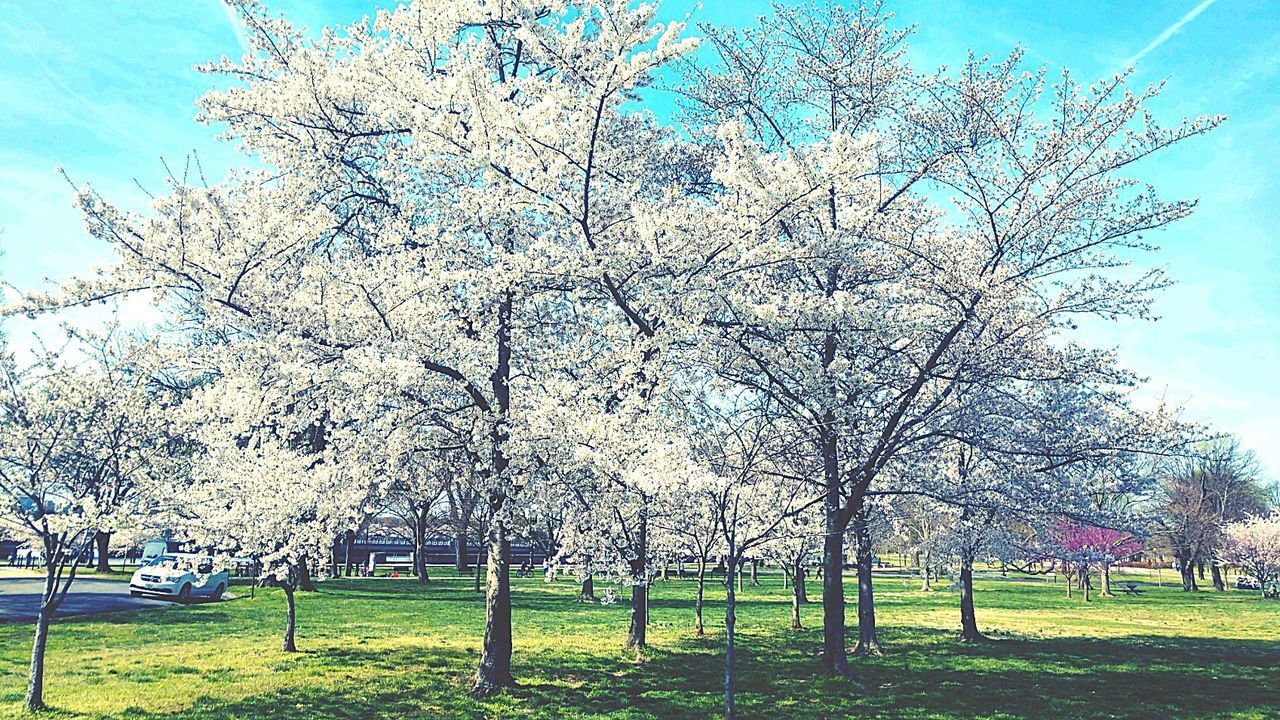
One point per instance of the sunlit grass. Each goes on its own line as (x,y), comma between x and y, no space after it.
(389,648)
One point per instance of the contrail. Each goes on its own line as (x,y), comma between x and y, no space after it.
(107,118)
(236,26)
(1169,32)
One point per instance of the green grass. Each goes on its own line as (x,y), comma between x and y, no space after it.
(390,649)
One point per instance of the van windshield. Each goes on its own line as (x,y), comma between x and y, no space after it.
(167,562)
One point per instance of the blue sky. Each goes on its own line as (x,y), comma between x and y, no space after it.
(104,89)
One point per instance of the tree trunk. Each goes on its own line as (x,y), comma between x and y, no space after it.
(350,568)
(697,602)
(1218,583)
(460,552)
(494,672)
(35,679)
(1106,580)
(419,549)
(1085,585)
(730,620)
(102,540)
(640,585)
(1200,569)
(1187,572)
(755,573)
(925,586)
(868,643)
(588,592)
(291,618)
(798,596)
(968,619)
(305,584)
(835,660)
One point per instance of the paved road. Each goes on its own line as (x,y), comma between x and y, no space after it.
(20,598)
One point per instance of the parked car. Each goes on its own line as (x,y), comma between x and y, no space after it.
(180,576)
(1244,582)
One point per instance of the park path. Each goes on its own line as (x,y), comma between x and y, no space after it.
(20,598)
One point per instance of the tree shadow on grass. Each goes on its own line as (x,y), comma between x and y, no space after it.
(927,674)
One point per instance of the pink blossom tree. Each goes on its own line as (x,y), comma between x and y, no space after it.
(1078,548)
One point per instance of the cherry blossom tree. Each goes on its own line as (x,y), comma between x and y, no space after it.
(870,302)
(1254,546)
(82,443)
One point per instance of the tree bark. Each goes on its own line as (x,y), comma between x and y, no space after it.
(636,635)
(588,591)
(419,549)
(835,659)
(494,672)
(968,619)
(730,621)
(1218,583)
(697,602)
(755,573)
(925,585)
(798,596)
(868,642)
(350,551)
(460,553)
(1187,572)
(35,679)
(305,584)
(291,618)
(102,541)
(1106,580)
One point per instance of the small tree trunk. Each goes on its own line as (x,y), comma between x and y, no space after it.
(35,679)
(291,618)
(925,585)
(479,570)
(103,542)
(730,621)
(1085,585)
(1218,583)
(868,642)
(588,591)
(798,596)
(697,602)
(968,619)
(419,550)
(666,563)
(460,552)
(755,573)
(494,672)
(636,634)
(1200,569)
(1106,580)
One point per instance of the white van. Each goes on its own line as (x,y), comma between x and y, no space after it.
(180,576)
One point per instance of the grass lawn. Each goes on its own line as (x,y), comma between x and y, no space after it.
(388,648)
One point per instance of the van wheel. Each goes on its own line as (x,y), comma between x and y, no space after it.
(135,593)
(184,595)
(217,592)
